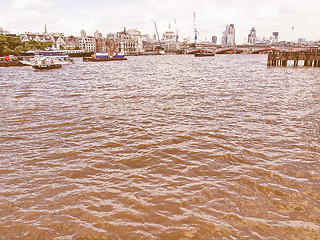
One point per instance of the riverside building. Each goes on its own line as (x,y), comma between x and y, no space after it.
(169,40)
(87,43)
(101,43)
(136,34)
(229,35)
(252,37)
(126,43)
(58,39)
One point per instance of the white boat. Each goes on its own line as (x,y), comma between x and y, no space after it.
(48,60)
(41,62)
(161,52)
(60,55)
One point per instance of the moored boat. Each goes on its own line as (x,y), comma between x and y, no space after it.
(202,53)
(10,61)
(57,55)
(161,52)
(102,57)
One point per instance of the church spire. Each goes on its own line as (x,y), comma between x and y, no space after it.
(45,29)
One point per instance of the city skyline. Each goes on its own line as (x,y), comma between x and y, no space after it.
(290,18)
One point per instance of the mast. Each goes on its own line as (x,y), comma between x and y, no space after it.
(157,33)
(195,31)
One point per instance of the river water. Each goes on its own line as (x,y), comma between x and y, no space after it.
(160,147)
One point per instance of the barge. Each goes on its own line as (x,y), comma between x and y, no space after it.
(103,57)
(10,61)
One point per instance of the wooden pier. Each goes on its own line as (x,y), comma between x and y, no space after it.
(310,57)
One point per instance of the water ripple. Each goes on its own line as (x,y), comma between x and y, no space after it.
(160,147)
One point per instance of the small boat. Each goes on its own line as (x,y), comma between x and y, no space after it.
(193,51)
(161,52)
(204,54)
(45,62)
(47,66)
(48,59)
(102,57)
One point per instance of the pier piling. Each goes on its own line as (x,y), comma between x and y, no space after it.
(310,57)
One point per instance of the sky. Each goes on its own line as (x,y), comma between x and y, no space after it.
(293,19)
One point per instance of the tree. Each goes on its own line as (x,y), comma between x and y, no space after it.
(13,42)
(48,44)
(3,43)
(7,51)
(13,45)
(77,47)
(18,50)
(30,47)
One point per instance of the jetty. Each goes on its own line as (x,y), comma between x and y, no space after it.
(311,57)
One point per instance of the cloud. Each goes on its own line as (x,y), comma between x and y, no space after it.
(211,17)
(30,4)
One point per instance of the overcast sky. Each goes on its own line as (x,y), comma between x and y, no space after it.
(212,16)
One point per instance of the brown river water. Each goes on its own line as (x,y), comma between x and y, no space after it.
(160,147)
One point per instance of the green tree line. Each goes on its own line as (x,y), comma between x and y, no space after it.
(13,46)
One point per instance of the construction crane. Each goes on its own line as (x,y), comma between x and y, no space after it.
(177,35)
(195,31)
(157,33)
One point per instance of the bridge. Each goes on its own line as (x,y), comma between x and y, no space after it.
(233,50)
(230,51)
(280,55)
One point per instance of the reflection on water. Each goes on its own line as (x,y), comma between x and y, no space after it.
(160,147)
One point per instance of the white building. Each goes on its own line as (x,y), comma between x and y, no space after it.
(302,41)
(136,34)
(229,35)
(275,35)
(2,31)
(88,44)
(27,36)
(58,39)
(126,43)
(169,36)
(97,34)
(169,40)
(83,33)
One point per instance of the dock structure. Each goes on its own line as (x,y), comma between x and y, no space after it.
(311,57)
